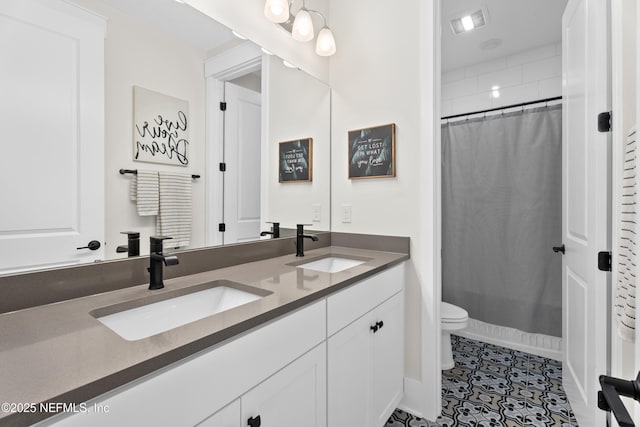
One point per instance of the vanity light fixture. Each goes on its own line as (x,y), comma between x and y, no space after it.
(301,28)
(276,11)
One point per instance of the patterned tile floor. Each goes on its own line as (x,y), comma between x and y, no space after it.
(496,386)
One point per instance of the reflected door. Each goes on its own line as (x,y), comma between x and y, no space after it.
(586,205)
(52,109)
(242,145)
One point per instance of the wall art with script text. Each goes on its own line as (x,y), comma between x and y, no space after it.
(160,128)
(372,152)
(296,160)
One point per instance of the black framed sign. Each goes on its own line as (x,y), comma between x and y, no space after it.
(372,152)
(296,160)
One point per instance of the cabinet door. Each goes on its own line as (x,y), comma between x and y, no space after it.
(293,397)
(229,416)
(349,378)
(388,358)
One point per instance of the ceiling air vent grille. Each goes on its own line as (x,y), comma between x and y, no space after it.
(468,22)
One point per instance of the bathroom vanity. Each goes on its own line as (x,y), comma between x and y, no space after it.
(321,343)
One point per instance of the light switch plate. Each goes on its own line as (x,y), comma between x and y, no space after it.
(315,213)
(346,213)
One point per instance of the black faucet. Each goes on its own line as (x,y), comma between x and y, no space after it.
(133,244)
(156,259)
(275,230)
(300,236)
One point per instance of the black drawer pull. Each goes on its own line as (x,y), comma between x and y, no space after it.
(254,422)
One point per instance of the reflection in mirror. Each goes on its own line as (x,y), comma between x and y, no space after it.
(165,52)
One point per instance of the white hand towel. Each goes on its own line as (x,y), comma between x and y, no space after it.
(627,270)
(175,215)
(145,191)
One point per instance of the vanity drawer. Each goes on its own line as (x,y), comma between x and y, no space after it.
(351,303)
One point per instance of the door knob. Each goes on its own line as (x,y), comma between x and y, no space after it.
(92,245)
(560,249)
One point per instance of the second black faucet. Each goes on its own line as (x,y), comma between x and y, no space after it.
(300,236)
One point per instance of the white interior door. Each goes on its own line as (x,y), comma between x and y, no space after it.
(52,116)
(242,145)
(586,205)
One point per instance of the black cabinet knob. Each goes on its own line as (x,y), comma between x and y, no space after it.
(254,421)
(92,245)
(377,326)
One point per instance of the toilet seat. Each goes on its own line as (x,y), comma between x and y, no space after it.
(450,313)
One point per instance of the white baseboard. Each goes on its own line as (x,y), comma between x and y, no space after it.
(538,344)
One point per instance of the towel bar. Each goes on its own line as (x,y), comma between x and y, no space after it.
(135,172)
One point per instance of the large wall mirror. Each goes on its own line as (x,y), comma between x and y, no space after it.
(164,46)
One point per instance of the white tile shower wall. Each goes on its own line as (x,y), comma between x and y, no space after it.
(521,77)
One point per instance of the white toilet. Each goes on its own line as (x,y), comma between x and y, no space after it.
(453,318)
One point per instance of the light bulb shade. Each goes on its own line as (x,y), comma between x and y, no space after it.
(326,44)
(302,26)
(276,10)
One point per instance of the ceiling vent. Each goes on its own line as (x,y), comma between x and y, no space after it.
(468,22)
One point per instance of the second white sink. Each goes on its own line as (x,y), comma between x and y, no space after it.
(331,264)
(152,318)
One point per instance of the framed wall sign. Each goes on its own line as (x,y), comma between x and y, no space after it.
(160,128)
(372,152)
(296,160)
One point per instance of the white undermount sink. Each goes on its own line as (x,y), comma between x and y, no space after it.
(331,264)
(150,317)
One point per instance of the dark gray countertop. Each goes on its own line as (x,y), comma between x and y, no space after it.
(60,353)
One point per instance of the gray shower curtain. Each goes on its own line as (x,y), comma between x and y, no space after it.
(501,214)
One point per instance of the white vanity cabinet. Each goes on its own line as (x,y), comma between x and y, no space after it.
(336,362)
(294,396)
(366,356)
(190,391)
(229,416)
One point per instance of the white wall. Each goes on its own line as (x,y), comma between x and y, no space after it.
(247,18)
(298,107)
(526,76)
(382,73)
(138,54)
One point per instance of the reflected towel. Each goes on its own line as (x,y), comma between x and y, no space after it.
(145,192)
(175,214)
(627,275)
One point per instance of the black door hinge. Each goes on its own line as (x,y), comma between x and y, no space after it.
(604,261)
(222,227)
(223,167)
(604,122)
(223,106)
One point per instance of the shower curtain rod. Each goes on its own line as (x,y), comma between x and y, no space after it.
(556,98)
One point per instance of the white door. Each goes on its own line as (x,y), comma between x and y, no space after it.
(52,121)
(242,145)
(586,205)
